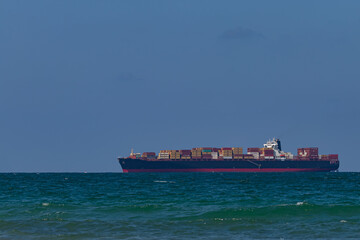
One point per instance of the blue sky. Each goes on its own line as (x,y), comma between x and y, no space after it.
(82,82)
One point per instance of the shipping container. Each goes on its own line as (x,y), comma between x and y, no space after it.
(206,150)
(253,150)
(308,152)
(206,156)
(238,156)
(237,149)
(256,155)
(148,154)
(185,151)
(324,157)
(268,152)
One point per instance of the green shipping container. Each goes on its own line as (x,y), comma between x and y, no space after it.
(206,150)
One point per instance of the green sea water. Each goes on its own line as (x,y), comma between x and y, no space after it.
(180,206)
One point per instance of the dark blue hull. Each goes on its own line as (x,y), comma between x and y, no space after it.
(139,165)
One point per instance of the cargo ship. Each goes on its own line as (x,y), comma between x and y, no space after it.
(270,158)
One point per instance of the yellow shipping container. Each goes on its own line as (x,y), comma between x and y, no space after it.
(237,148)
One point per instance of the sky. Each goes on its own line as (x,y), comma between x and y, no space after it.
(82,82)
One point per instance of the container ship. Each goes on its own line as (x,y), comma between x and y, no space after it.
(270,158)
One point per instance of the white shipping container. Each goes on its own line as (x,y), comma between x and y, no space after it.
(255,154)
(214,155)
(164,155)
(225,157)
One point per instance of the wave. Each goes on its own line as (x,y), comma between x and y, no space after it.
(161,181)
(296,210)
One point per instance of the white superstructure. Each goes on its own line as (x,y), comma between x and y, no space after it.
(276,146)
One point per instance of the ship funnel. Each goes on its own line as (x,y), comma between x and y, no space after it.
(278,143)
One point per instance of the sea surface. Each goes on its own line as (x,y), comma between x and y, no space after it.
(180,206)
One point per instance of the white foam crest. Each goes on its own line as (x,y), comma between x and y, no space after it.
(160,181)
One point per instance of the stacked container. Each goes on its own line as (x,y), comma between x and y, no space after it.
(226,153)
(289,155)
(196,153)
(206,156)
(174,154)
(214,155)
(255,152)
(206,153)
(267,153)
(164,154)
(324,157)
(308,153)
(238,156)
(237,153)
(185,154)
(329,157)
(206,150)
(256,155)
(248,156)
(149,155)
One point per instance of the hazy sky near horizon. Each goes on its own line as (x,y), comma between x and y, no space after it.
(82,82)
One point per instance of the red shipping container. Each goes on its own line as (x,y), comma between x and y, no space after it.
(268,153)
(148,154)
(225,148)
(185,151)
(253,149)
(333,156)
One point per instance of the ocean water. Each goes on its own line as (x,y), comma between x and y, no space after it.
(180,206)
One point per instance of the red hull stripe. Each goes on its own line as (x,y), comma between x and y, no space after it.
(230,170)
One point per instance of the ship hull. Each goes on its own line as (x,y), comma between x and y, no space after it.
(138,165)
